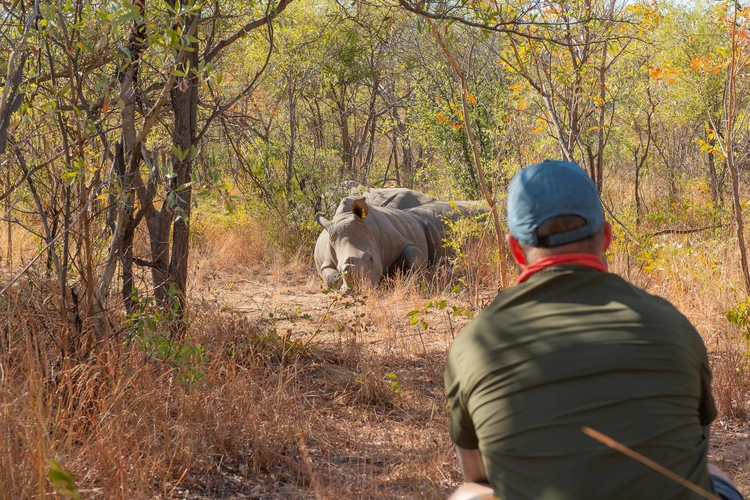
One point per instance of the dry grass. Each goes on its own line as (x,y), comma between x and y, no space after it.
(301,394)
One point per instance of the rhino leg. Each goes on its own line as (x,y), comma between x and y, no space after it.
(411,258)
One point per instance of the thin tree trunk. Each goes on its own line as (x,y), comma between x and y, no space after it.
(11,99)
(396,168)
(185,106)
(713,178)
(292,137)
(730,103)
(599,166)
(346,141)
(637,187)
(125,166)
(477,161)
(9,254)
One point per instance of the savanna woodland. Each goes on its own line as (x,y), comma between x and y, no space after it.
(164,332)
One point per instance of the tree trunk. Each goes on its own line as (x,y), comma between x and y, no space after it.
(185,106)
(158,230)
(477,162)
(637,188)
(730,107)
(125,168)
(713,179)
(601,138)
(346,141)
(292,137)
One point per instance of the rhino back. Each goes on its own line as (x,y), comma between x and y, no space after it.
(398,198)
(396,230)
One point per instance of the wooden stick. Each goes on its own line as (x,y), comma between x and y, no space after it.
(647,462)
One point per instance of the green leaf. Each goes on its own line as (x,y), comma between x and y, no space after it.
(63,481)
(229,206)
(178,153)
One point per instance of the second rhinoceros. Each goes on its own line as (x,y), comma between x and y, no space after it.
(386,230)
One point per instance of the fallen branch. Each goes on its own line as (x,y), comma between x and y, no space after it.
(687,231)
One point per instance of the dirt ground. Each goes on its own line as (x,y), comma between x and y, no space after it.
(398,447)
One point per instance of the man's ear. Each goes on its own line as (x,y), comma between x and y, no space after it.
(515,249)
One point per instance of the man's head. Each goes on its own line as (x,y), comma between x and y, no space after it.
(554,208)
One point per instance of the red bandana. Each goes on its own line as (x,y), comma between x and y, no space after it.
(580,259)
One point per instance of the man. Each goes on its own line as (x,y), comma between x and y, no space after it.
(574,346)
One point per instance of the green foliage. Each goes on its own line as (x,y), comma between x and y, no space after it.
(420,316)
(63,481)
(463,229)
(740,315)
(268,348)
(394,382)
(183,356)
(148,327)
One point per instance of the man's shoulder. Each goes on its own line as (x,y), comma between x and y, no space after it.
(511,305)
(650,303)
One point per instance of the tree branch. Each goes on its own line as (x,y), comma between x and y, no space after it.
(270,16)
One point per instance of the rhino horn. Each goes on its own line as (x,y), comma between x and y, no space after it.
(360,208)
(320,219)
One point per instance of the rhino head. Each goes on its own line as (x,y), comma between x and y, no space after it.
(354,244)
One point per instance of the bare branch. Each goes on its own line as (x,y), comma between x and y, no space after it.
(246,91)
(270,16)
(11,99)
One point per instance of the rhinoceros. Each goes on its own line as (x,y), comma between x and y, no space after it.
(386,230)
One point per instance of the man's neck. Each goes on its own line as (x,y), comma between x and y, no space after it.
(582,259)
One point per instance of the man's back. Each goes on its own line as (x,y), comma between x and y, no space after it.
(574,347)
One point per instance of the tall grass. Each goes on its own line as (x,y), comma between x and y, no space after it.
(304,394)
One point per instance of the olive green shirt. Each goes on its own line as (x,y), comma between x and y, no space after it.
(574,347)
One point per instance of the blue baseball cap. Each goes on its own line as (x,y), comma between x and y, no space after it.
(550,189)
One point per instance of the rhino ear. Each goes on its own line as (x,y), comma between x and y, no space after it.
(360,208)
(320,219)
